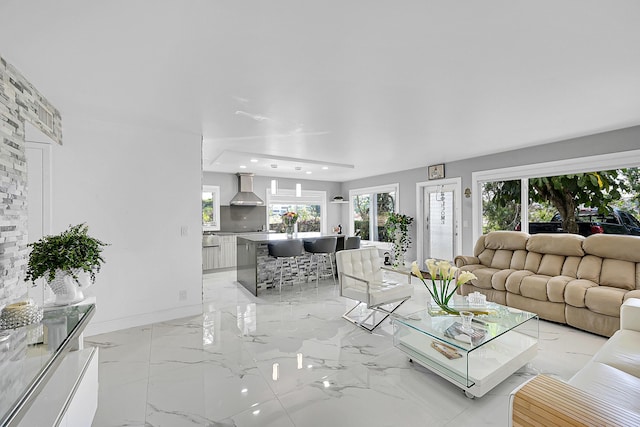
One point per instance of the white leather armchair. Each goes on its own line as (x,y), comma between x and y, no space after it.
(606,391)
(362,279)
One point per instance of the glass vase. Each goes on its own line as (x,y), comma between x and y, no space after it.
(289,230)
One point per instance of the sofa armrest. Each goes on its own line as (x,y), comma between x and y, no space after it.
(462,260)
(546,401)
(630,314)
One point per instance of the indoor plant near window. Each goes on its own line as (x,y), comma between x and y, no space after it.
(68,261)
(397,226)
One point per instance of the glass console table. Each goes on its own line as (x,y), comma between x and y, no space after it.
(476,360)
(30,355)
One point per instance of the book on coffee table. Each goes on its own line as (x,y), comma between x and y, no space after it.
(472,336)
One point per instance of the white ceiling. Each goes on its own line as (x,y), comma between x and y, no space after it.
(364,87)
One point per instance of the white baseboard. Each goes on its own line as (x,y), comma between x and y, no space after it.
(95,328)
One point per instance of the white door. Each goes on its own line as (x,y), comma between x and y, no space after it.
(439,211)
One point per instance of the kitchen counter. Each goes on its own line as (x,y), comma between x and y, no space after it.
(236,233)
(252,253)
(272,237)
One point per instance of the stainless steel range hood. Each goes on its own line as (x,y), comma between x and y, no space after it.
(245,195)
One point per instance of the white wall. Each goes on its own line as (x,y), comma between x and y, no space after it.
(136,188)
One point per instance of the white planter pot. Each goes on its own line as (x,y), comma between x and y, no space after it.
(398,255)
(66,289)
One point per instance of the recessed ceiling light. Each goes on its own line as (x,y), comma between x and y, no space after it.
(254,160)
(324,168)
(243,166)
(308,172)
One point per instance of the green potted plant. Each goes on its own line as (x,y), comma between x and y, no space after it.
(67,261)
(397,227)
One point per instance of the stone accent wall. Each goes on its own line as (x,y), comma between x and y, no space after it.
(19,102)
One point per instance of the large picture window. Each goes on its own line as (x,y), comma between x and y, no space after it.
(593,193)
(369,210)
(311,210)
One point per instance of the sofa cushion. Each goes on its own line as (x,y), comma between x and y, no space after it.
(533,262)
(501,259)
(556,244)
(514,280)
(570,266)
(511,240)
(484,276)
(551,265)
(535,286)
(556,287)
(518,260)
(576,291)
(486,257)
(604,300)
(610,384)
(479,246)
(499,279)
(589,268)
(618,273)
(626,248)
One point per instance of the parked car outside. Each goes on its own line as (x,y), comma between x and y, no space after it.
(591,222)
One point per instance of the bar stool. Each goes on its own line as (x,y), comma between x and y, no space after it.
(288,250)
(352,243)
(322,248)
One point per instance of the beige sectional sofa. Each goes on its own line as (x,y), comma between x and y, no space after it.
(564,278)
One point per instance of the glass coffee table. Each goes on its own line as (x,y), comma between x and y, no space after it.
(475,359)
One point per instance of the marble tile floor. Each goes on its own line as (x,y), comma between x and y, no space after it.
(291,360)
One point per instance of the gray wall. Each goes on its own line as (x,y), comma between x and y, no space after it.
(261,184)
(602,143)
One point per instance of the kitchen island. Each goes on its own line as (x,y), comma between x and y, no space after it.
(253,256)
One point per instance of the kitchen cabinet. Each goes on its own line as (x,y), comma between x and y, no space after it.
(228,252)
(218,251)
(210,257)
(210,252)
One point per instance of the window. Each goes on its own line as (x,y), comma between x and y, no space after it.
(370,208)
(500,216)
(210,207)
(530,212)
(310,209)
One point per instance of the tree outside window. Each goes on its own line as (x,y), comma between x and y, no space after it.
(371,209)
(564,195)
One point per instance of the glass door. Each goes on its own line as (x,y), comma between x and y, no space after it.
(439,228)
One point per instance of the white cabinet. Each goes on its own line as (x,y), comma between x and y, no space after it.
(228,252)
(219,251)
(210,257)
(70,397)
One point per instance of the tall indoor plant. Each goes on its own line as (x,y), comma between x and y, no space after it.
(67,261)
(397,227)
